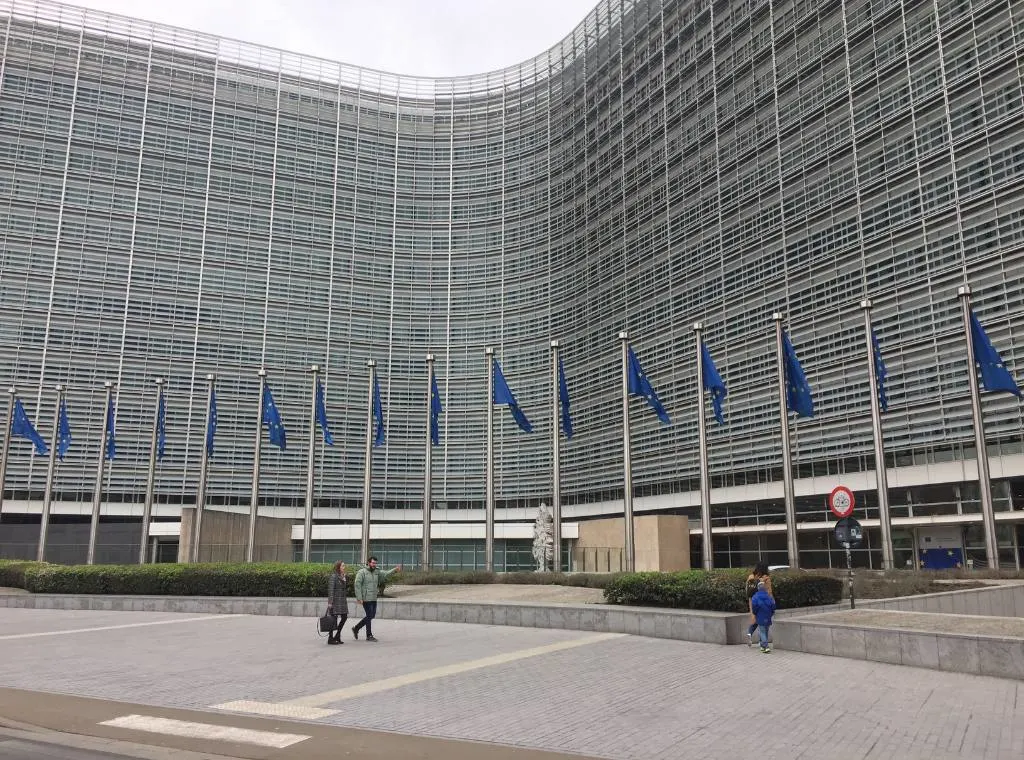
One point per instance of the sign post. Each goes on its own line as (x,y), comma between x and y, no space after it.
(848,532)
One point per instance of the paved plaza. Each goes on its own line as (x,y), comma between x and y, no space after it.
(598,695)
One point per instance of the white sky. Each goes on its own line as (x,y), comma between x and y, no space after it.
(422,37)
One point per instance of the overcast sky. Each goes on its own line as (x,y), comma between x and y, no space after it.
(423,37)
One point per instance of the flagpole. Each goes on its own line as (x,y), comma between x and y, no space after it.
(489,489)
(307,532)
(204,467)
(364,545)
(792,547)
(984,481)
(44,521)
(428,470)
(13,392)
(627,462)
(707,547)
(255,497)
(556,465)
(97,493)
(881,475)
(147,507)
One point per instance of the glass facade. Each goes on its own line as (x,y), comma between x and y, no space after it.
(173,204)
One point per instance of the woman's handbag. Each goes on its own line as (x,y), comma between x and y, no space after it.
(328,622)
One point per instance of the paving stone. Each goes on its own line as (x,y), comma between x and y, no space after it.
(624,697)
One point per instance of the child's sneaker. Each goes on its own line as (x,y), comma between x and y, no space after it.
(765,650)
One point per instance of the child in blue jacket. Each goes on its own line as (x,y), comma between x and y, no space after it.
(763,607)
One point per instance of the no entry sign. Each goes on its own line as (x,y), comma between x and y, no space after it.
(841,501)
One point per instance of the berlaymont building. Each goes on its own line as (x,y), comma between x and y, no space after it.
(175,205)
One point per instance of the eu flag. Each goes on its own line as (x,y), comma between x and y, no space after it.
(713,383)
(272,419)
(63,431)
(211,424)
(321,414)
(994,375)
(563,395)
(503,395)
(111,445)
(161,426)
(435,411)
(639,385)
(880,372)
(378,413)
(798,392)
(23,427)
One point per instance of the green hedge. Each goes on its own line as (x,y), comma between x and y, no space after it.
(720,591)
(257,579)
(12,572)
(526,578)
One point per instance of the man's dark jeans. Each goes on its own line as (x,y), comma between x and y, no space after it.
(370,609)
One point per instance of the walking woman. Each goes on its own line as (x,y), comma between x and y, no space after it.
(337,603)
(758,575)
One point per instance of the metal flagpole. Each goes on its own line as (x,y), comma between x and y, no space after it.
(147,507)
(44,522)
(255,498)
(792,547)
(7,445)
(427,472)
(98,490)
(307,532)
(627,463)
(556,465)
(988,518)
(489,489)
(881,476)
(204,466)
(707,547)
(364,546)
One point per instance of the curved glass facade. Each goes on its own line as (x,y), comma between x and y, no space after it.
(173,204)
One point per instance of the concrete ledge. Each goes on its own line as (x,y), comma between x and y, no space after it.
(997,600)
(952,652)
(685,625)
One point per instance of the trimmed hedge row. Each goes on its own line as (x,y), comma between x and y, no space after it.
(12,572)
(719,591)
(271,579)
(257,579)
(480,577)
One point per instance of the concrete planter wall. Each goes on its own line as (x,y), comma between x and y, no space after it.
(686,625)
(958,653)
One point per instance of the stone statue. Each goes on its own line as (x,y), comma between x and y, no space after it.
(543,538)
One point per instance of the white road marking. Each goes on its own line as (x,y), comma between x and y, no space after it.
(10,636)
(207,731)
(276,709)
(386,684)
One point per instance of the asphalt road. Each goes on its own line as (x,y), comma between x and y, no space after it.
(20,749)
(37,725)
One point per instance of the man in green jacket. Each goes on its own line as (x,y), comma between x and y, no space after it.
(366,586)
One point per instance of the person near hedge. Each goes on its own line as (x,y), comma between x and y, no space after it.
(763,606)
(758,575)
(337,603)
(367,586)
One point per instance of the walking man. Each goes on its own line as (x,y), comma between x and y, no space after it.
(366,586)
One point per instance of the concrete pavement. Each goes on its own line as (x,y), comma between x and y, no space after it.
(511,689)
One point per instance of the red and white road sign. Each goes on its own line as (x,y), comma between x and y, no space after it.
(841,501)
